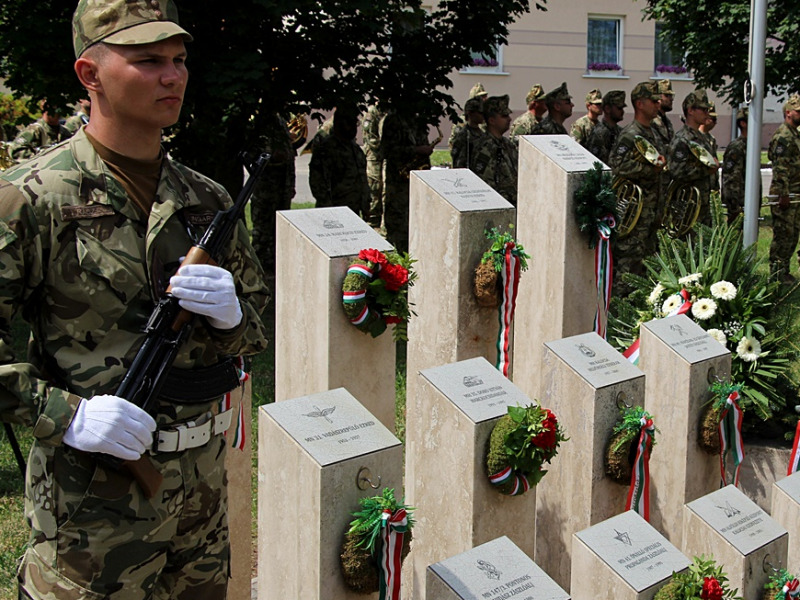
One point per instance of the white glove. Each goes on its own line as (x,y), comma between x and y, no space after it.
(210,291)
(111,425)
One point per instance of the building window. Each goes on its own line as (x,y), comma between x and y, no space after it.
(486,62)
(668,63)
(604,46)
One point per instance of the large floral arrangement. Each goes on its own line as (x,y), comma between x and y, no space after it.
(520,444)
(704,580)
(375,292)
(726,289)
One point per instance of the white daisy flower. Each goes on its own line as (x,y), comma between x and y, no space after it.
(704,308)
(655,295)
(671,303)
(718,335)
(723,290)
(690,278)
(749,349)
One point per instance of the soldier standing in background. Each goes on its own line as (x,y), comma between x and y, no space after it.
(476,93)
(583,127)
(496,157)
(784,153)
(706,127)
(733,169)
(37,136)
(661,125)
(463,143)
(81,116)
(370,128)
(559,109)
(604,136)
(524,124)
(638,157)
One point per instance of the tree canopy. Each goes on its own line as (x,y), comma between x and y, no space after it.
(252,58)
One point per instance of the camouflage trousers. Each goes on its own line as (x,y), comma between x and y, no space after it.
(94,534)
(785,234)
(375,176)
(395,212)
(629,252)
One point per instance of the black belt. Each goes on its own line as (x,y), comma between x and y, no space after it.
(196,386)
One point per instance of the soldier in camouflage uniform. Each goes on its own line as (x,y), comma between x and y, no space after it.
(39,135)
(370,127)
(92,230)
(630,160)
(583,127)
(784,153)
(685,166)
(496,157)
(80,118)
(604,136)
(477,95)
(524,124)
(733,169)
(463,143)
(337,173)
(559,109)
(706,127)
(661,125)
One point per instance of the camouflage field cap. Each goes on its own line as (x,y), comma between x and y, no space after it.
(478,91)
(496,105)
(793,103)
(712,110)
(696,99)
(473,105)
(536,93)
(615,98)
(647,90)
(124,22)
(594,97)
(742,114)
(665,87)
(560,93)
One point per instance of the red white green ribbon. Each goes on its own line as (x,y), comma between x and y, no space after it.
(686,304)
(632,353)
(639,492)
(794,459)
(356,296)
(792,589)
(730,436)
(510,279)
(521,483)
(603,272)
(239,433)
(393,525)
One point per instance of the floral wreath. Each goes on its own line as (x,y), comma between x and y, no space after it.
(519,445)
(382,525)
(595,202)
(621,450)
(720,430)
(781,585)
(486,285)
(375,292)
(704,579)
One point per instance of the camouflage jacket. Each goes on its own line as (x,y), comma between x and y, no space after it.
(581,129)
(733,169)
(399,138)
(370,127)
(784,153)
(337,175)
(495,162)
(662,127)
(76,121)
(628,163)
(523,125)
(714,177)
(85,268)
(463,144)
(548,126)
(602,139)
(36,137)
(686,168)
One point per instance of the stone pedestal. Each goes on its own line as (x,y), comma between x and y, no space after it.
(317,348)
(622,558)
(557,296)
(458,405)
(312,453)
(680,359)
(491,571)
(729,526)
(583,379)
(786,511)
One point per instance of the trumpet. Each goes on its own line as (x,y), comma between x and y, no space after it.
(629,205)
(681,209)
(420,163)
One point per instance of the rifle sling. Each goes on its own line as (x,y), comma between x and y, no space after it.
(197,386)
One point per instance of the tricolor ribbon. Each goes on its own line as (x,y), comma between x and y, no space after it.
(358,295)
(393,525)
(639,492)
(521,483)
(603,272)
(730,436)
(794,459)
(791,589)
(510,279)
(239,433)
(632,353)
(686,304)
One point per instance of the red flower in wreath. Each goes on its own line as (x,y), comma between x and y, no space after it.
(373,256)
(547,438)
(394,276)
(712,590)
(392,320)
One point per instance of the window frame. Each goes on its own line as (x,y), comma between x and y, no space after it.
(659,46)
(489,70)
(620,21)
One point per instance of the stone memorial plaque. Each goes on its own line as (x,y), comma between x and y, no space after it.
(739,520)
(594,359)
(791,485)
(564,151)
(634,550)
(463,189)
(687,338)
(331,426)
(497,570)
(477,388)
(337,230)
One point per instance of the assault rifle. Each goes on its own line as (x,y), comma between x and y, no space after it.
(170,325)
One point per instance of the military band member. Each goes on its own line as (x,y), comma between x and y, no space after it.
(733,169)
(463,143)
(496,156)
(583,127)
(661,125)
(524,124)
(559,109)
(604,136)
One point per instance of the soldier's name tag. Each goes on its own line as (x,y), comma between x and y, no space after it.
(92,211)
(204,218)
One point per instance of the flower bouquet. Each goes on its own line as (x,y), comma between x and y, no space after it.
(703,581)
(519,445)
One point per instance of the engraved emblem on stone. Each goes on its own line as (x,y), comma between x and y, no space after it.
(729,510)
(558,145)
(624,537)
(586,351)
(457,183)
(678,329)
(321,412)
(489,569)
(332,224)
(472,381)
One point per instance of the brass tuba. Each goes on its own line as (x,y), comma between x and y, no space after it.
(629,195)
(682,204)
(6,162)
